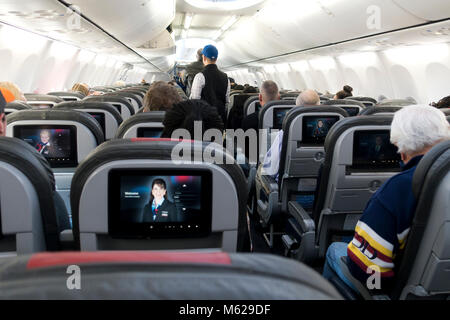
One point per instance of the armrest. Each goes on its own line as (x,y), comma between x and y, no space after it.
(66,240)
(268,206)
(269,184)
(301,216)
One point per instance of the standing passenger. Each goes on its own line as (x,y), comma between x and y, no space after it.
(211,84)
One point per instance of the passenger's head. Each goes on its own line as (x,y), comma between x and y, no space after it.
(268,92)
(345,93)
(2,115)
(210,54)
(119,83)
(45,136)
(14,89)
(308,98)
(443,103)
(183,115)
(160,97)
(416,129)
(200,55)
(83,88)
(159,189)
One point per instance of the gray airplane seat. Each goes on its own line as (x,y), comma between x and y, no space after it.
(121,104)
(424,271)
(161,276)
(397,102)
(105,114)
(367,101)
(16,106)
(359,158)
(446,111)
(135,100)
(71,135)
(112,206)
(235,112)
(142,125)
(302,153)
(380,110)
(138,93)
(290,96)
(251,105)
(32,214)
(68,95)
(42,101)
(352,107)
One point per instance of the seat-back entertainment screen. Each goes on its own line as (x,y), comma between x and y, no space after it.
(159,203)
(57,143)
(352,111)
(315,128)
(100,117)
(278,117)
(372,150)
(149,132)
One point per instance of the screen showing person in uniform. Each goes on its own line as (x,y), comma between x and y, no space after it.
(100,117)
(56,143)
(149,132)
(278,117)
(373,150)
(315,128)
(352,111)
(144,203)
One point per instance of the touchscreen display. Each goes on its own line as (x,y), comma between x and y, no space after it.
(278,117)
(149,132)
(100,118)
(373,150)
(56,143)
(315,128)
(146,203)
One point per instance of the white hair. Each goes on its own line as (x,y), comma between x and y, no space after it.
(416,128)
(308,98)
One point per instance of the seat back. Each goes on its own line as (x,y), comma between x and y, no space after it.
(104,113)
(73,134)
(236,109)
(397,102)
(352,107)
(16,106)
(28,216)
(122,105)
(271,118)
(290,96)
(132,98)
(42,101)
(214,205)
(142,125)
(380,110)
(353,170)
(424,271)
(251,105)
(302,151)
(164,275)
(367,101)
(68,95)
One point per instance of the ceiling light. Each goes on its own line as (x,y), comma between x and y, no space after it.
(188,20)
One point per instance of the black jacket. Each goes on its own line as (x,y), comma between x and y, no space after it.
(167,212)
(215,89)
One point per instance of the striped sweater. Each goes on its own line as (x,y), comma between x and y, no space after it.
(381,232)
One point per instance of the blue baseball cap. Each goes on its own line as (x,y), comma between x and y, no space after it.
(210,52)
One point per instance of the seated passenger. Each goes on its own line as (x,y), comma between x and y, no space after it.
(272,159)
(269,92)
(14,89)
(183,115)
(160,97)
(82,88)
(443,103)
(345,93)
(382,230)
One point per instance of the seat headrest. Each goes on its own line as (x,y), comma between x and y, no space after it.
(111,99)
(362,99)
(66,115)
(433,159)
(86,104)
(344,102)
(42,97)
(67,94)
(35,167)
(269,105)
(379,109)
(139,118)
(18,105)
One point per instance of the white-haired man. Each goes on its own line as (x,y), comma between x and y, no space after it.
(272,160)
(382,230)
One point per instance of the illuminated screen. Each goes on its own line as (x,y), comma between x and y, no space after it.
(56,143)
(149,132)
(144,203)
(278,117)
(373,150)
(315,128)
